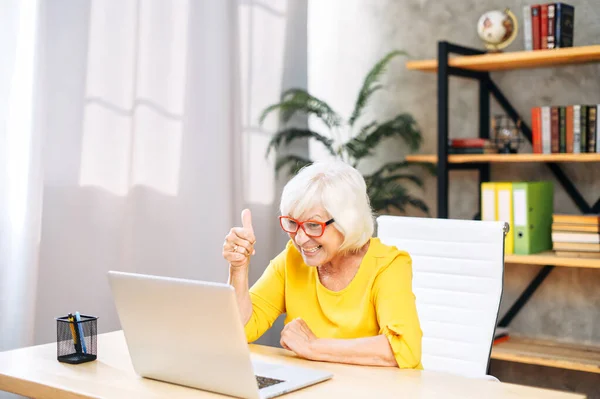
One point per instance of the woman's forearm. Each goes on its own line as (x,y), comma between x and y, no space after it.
(369,351)
(238,278)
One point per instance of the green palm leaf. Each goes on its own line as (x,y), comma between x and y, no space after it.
(418,203)
(391,167)
(394,178)
(356,146)
(383,197)
(294,162)
(403,125)
(394,196)
(370,85)
(286,136)
(299,100)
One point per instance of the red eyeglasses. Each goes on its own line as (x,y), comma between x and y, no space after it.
(312,228)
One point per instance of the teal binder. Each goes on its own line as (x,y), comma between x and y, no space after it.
(533,205)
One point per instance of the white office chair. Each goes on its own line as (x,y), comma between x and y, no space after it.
(458,270)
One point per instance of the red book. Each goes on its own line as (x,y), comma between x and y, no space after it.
(544,26)
(468,142)
(536,130)
(535,26)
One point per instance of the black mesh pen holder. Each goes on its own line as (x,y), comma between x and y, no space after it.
(76,339)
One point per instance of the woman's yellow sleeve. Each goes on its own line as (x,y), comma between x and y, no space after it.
(268,298)
(396,309)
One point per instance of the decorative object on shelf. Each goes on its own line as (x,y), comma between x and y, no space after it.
(506,134)
(497,29)
(354,142)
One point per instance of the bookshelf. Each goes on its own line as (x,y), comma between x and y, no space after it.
(475,64)
(515,60)
(506,158)
(548,353)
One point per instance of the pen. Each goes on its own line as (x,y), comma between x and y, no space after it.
(70,318)
(75,333)
(80,328)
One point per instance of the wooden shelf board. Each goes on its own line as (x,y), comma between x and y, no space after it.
(548,353)
(515,59)
(549,258)
(498,158)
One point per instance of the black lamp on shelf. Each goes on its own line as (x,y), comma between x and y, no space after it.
(506,134)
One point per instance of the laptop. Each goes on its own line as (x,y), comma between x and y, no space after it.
(190,333)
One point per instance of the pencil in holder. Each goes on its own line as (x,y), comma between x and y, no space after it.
(76,337)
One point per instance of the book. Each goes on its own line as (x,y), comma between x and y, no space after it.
(591,128)
(576,246)
(551,21)
(546,139)
(562,129)
(598,128)
(554,130)
(569,129)
(501,334)
(569,227)
(565,21)
(543,26)
(469,142)
(583,128)
(536,130)
(591,219)
(593,238)
(471,150)
(527,34)
(501,339)
(535,26)
(576,129)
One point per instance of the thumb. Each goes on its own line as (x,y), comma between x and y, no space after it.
(247,220)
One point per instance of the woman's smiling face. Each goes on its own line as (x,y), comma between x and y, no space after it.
(317,251)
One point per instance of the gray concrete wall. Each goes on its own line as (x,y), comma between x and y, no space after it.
(347,37)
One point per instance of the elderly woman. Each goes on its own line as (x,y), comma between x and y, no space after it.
(347,297)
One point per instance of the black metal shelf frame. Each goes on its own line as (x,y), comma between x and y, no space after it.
(486,88)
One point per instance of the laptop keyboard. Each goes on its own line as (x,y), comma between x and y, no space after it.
(264,382)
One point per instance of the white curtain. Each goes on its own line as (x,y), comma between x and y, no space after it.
(141,166)
(147,111)
(20,179)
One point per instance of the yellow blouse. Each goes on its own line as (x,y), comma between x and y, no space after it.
(378,300)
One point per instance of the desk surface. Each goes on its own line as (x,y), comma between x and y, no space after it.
(35,372)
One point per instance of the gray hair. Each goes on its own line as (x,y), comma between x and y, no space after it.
(338,188)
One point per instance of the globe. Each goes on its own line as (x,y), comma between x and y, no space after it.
(497,29)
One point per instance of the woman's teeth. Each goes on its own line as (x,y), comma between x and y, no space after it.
(311,250)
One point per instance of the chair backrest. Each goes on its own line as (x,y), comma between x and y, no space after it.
(458,270)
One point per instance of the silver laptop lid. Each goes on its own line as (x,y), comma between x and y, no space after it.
(185,332)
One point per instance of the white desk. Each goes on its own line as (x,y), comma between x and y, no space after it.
(35,372)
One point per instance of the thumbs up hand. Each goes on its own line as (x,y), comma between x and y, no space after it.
(239,243)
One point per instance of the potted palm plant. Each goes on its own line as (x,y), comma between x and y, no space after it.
(385,185)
